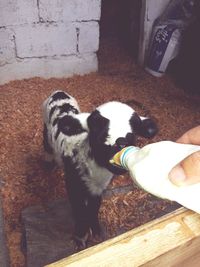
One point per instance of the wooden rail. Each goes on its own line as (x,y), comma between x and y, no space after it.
(172,240)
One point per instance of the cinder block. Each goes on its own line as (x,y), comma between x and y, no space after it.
(17,12)
(7,47)
(88,37)
(61,67)
(70,10)
(41,40)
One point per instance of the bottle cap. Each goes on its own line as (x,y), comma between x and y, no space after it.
(119,159)
(125,154)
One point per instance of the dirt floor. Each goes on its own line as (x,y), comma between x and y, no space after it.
(23,181)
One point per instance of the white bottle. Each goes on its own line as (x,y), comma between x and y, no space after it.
(149,168)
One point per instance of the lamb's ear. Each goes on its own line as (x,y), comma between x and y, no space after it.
(98,127)
(145,127)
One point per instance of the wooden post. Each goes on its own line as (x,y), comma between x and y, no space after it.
(172,240)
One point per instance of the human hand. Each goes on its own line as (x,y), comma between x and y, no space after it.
(188,171)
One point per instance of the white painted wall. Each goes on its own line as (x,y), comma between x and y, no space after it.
(48,38)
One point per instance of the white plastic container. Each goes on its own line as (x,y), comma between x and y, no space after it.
(149,168)
(166,35)
(164,47)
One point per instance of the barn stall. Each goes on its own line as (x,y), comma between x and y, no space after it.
(95,50)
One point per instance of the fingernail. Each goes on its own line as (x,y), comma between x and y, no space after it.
(177,175)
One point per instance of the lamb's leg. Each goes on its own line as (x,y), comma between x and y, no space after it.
(77,194)
(78,204)
(48,157)
(94,203)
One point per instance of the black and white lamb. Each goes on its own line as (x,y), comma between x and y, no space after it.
(83,144)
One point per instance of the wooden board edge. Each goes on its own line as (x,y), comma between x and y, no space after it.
(142,245)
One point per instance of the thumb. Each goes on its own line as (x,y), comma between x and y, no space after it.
(187,171)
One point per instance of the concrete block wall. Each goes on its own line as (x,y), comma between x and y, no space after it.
(48,38)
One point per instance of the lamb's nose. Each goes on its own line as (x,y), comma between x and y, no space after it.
(121,142)
(131,139)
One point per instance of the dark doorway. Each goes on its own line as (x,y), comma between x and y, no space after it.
(119,29)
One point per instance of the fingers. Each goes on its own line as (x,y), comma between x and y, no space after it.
(187,172)
(191,137)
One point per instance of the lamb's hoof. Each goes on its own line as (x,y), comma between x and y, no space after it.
(97,235)
(81,242)
(98,231)
(97,238)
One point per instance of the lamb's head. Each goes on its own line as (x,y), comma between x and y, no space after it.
(113,126)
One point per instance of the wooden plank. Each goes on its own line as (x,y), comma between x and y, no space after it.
(187,255)
(173,240)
